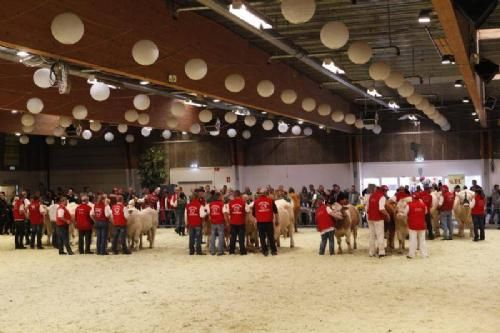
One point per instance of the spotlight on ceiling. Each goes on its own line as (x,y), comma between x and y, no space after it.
(373,92)
(18,134)
(465,100)
(448,59)
(238,9)
(459,84)
(393,105)
(14,111)
(425,16)
(300,122)
(22,54)
(144,83)
(476,120)
(474,113)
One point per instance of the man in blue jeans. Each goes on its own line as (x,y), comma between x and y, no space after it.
(445,206)
(194,214)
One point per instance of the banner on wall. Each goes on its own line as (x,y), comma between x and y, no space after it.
(454,180)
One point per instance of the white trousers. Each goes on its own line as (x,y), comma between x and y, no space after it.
(417,236)
(376,237)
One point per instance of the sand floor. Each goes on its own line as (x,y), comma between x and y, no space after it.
(165,290)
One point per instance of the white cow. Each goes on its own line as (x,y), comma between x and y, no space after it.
(462,211)
(286,224)
(436,195)
(141,222)
(401,222)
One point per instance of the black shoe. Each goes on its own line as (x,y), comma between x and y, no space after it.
(408,257)
(381,255)
(71,253)
(201,254)
(22,247)
(89,252)
(32,247)
(116,252)
(332,254)
(222,254)
(274,253)
(105,254)
(127,252)
(475,239)
(321,254)
(231,252)
(241,254)
(62,253)
(40,247)
(266,254)
(79,252)
(431,237)
(450,238)
(191,253)
(481,239)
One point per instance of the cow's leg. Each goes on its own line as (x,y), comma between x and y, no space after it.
(348,240)
(355,236)
(292,243)
(339,244)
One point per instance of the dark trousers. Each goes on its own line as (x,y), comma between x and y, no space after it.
(266,230)
(63,238)
(428,223)
(327,237)
(84,237)
(120,236)
(55,240)
(237,231)
(36,230)
(27,231)
(19,235)
(478,221)
(195,240)
(101,228)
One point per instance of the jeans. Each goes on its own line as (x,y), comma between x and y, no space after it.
(84,236)
(181,225)
(327,237)
(27,231)
(120,236)
(478,221)
(266,230)
(19,235)
(195,240)
(36,230)
(217,230)
(101,228)
(428,222)
(55,240)
(170,216)
(63,236)
(376,237)
(447,225)
(237,230)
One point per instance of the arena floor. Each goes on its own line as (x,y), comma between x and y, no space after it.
(165,290)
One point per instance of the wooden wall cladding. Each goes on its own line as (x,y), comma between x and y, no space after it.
(207,153)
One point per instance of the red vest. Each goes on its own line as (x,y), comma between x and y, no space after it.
(426,197)
(237,211)
(374,213)
(118,215)
(478,206)
(448,199)
(216,215)
(100,213)
(416,215)
(264,209)
(323,219)
(401,195)
(35,216)
(82,217)
(193,213)
(169,198)
(18,215)
(67,216)
(151,200)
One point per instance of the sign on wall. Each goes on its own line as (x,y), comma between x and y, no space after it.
(454,180)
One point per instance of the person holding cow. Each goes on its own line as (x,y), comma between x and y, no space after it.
(445,206)
(265,212)
(101,214)
(478,208)
(119,215)
(19,213)
(195,212)
(236,210)
(376,217)
(63,220)
(215,210)
(84,225)
(325,224)
(417,211)
(426,198)
(36,214)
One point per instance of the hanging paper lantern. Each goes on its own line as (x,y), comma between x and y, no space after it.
(99,91)
(34,105)
(414,99)
(146,131)
(246,134)
(337,116)
(324,110)
(28,129)
(87,134)
(122,128)
(230,117)
(359,124)
(349,119)
(360,53)
(195,128)
(41,77)
(265,88)
(379,71)
(288,96)
(296,130)
(234,83)
(214,133)
(24,139)
(96,126)
(298,11)
(145,52)
(27,119)
(205,116)
(73,142)
(50,140)
(196,69)
(377,129)
(166,134)
(131,116)
(267,125)
(231,133)
(172,123)
(250,121)
(395,80)
(406,90)
(282,127)
(142,102)
(79,112)
(109,136)
(177,109)
(59,131)
(143,119)
(129,138)
(65,121)
(308,131)
(67,28)
(308,104)
(334,35)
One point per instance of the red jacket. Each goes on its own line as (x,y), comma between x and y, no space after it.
(193,213)
(374,213)
(448,200)
(100,212)
(216,214)
(60,221)
(118,215)
(478,206)
(35,216)
(426,197)
(237,211)
(323,219)
(82,217)
(401,195)
(264,209)
(18,215)
(416,215)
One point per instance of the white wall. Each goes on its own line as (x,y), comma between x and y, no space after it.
(216,176)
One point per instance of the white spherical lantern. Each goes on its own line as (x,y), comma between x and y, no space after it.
(196,69)
(50,140)
(67,28)
(142,102)
(73,142)
(350,119)
(406,90)
(250,121)
(87,134)
(24,139)
(231,133)
(145,131)
(95,126)
(65,121)
(195,128)
(234,83)
(296,130)
(205,116)
(177,109)
(324,110)
(172,123)
(288,96)
(282,128)
(27,119)
(59,131)
(41,77)
(34,105)
(379,71)
(131,116)
(129,138)
(214,133)
(414,99)
(359,124)
(360,53)
(79,112)
(99,91)
(246,134)
(377,129)
(166,134)
(395,80)
(267,125)
(145,52)
(308,104)
(109,136)
(265,88)
(298,11)
(143,119)
(122,128)
(308,131)
(28,129)
(334,35)
(337,116)
(230,117)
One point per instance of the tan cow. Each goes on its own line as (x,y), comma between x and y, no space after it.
(462,211)
(435,213)
(346,224)
(141,222)
(401,222)
(286,226)
(390,226)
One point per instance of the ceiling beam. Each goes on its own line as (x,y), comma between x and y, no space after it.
(453,25)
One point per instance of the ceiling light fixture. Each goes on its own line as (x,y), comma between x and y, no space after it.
(448,59)
(190,102)
(300,122)
(330,65)
(264,112)
(18,134)
(424,16)
(14,111)
(184,133)
(474,113)
(241,11)
(321,126)
(459,84)
(465,100)
(393,105)
(216,100)
(144,83)
(476,120)
(22,54)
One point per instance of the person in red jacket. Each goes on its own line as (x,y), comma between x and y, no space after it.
(265,212)
(236,210)
(426,198)
(215,210)
(376,216)
(84,225)
(478,207)
(194,214)
(101,214)
(19,213)
(416,225)
(325,224)
(63,220)
(36,213)
(119,215)
(445,206)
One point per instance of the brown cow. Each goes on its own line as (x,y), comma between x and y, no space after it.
(346,223)
(390,226)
